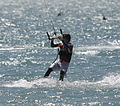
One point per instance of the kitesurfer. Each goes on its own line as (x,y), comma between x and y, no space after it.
(65,54)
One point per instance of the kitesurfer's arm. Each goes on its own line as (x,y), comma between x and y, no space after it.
(52,43)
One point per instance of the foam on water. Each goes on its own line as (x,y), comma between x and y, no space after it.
(111,81)
(20,83)
(42,82)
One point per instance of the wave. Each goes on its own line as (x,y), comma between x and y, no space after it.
(93,50)
(1,75)
(111,81)
(87,52)
(7,48)
(10,49)
(98,48)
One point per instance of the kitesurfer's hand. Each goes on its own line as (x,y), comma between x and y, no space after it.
(52,38)
(60,37)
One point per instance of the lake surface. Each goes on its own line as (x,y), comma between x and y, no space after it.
(93,77)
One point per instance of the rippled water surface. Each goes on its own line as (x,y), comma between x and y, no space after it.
(93,77)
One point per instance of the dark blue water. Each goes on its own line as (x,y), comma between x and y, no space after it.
(93,77)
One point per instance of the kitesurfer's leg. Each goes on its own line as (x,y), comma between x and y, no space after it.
(62,74)
(48,72)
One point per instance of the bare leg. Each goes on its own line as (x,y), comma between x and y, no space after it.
(62,73)
(48,72)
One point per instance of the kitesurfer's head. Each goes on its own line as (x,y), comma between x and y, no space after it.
(67,37)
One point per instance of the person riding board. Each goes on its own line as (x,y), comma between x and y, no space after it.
(65,54)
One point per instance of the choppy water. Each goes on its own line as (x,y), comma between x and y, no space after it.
(93,78)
